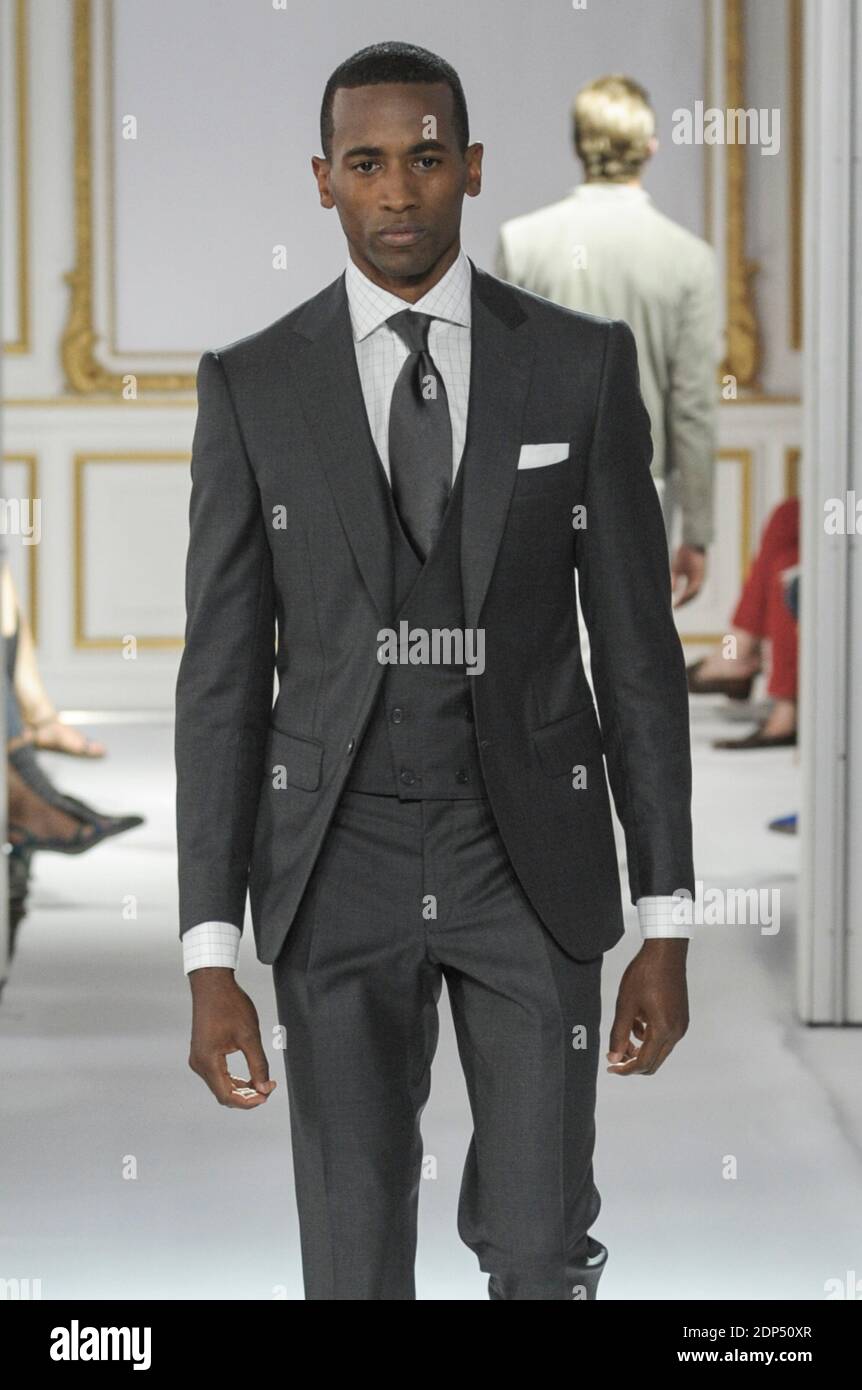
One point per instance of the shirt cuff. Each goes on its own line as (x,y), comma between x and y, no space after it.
(656,916)
(211,943)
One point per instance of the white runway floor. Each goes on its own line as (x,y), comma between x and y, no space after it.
(94,1028)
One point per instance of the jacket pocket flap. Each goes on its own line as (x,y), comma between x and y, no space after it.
(565,742)
(300,757)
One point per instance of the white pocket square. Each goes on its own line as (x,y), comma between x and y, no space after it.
(539,455)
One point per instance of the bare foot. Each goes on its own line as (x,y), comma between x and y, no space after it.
(717,666)
(52,735)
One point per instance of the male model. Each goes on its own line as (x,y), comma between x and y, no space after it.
(402,474)
(606,249)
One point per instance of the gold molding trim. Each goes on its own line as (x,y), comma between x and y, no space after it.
(22,343)
(761,398)
(84,372)
(81,641)
(742,359)
(791,471)
(796,99)
(708,192)
(31,463)
(745,458)
(152,402)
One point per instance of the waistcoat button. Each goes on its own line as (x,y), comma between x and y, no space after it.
(462,776)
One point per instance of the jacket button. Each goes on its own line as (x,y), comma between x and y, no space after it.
(397,715)
(484,743)
(461,775)
(407,777)
(351,745)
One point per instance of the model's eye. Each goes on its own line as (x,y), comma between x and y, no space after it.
(364,165)
(429,159)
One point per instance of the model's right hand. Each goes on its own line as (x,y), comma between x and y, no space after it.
(224,1020)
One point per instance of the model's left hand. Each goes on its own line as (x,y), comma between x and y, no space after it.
(652,1003)
(690,565)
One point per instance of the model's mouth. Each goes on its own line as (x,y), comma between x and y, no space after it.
(401,236)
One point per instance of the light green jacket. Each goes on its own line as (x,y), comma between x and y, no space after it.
(605,249)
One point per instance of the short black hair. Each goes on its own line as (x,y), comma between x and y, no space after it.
(393,62)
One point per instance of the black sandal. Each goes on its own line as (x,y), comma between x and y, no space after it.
(75,845)
(103,827)
(80,808)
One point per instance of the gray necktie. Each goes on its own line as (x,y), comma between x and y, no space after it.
(420,436)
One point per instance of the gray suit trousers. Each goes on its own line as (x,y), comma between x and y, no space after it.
(402,895)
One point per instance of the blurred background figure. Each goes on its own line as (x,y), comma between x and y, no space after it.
(39,816)
(606,249)
(765,616)
(29,706)
(789,824)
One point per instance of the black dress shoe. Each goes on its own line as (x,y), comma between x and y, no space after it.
(582,1277)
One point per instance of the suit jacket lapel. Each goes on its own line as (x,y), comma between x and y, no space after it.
(328,386)
(327,382)
(501,360)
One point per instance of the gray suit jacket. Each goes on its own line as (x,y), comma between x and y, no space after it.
(606,249)
(288,523)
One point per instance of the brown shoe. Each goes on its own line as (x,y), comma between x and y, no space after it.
(735,687)
(758,739)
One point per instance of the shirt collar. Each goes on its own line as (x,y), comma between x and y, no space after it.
(370,305)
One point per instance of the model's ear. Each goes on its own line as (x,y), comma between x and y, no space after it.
(320,167)
(652,146)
